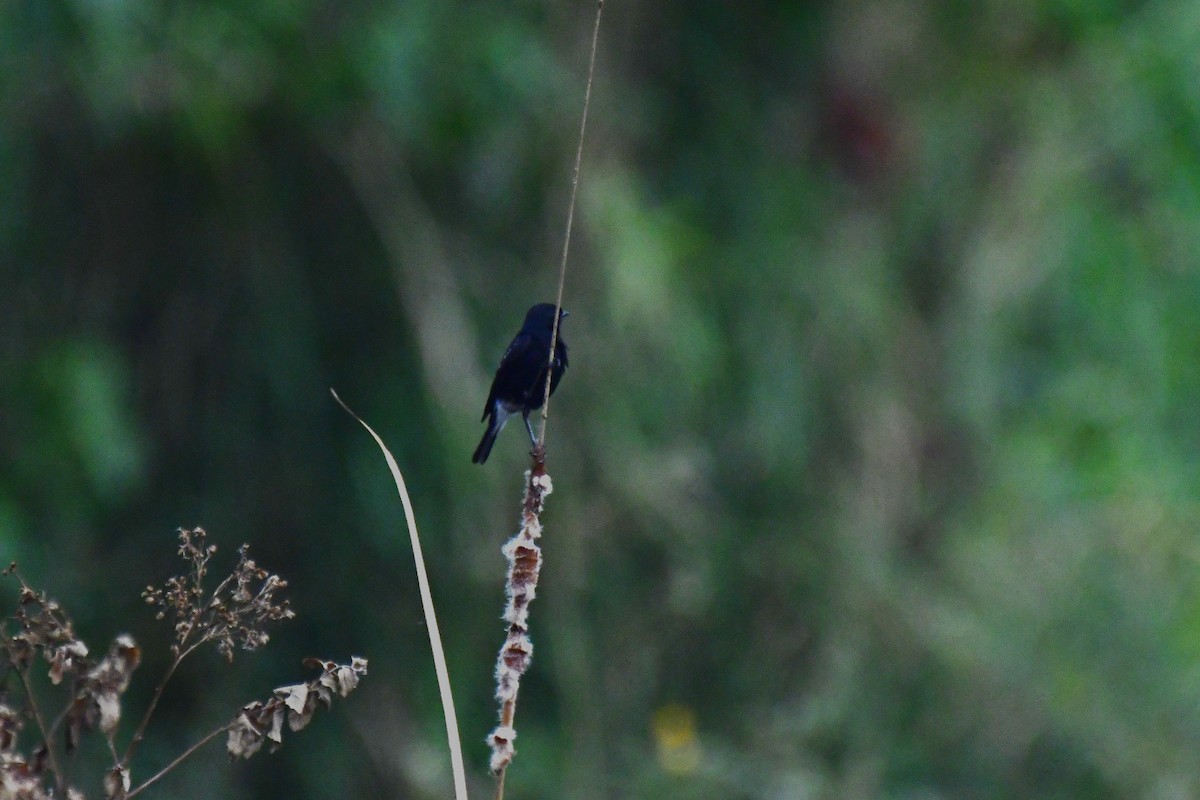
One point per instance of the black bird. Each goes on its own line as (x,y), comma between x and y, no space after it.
(520,382)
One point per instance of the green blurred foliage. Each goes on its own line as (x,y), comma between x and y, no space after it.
(876,464)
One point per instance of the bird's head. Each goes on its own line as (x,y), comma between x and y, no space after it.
(542,315)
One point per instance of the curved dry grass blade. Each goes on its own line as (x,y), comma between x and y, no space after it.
(435,637)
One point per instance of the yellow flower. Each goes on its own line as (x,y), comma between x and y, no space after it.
(677,745)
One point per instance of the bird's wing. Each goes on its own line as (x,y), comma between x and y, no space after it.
(508,370)
(516,349)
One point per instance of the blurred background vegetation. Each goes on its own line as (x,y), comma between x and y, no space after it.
(877,462)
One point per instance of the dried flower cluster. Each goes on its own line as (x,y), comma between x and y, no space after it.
(233,615)
(19,777)
(40,627)
(264,721)
(103,686)
(524,564)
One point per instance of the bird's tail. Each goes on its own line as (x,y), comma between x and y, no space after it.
(495,424)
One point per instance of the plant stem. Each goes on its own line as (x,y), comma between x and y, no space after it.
(41,723)
(500,784)
(182,756)
(562,269)
(139,733)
